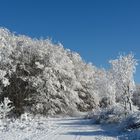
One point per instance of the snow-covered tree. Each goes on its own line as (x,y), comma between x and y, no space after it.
(123,70)
(44,78)
(105,87)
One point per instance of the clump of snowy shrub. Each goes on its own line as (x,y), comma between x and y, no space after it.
(111,114)
(131,122)
(5,108)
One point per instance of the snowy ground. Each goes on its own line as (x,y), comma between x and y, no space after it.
(62,129)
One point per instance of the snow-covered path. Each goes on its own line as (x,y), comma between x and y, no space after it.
(61,129)
(78,129)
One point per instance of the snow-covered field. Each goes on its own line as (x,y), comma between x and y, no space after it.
(63,129)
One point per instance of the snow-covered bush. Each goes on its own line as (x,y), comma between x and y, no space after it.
(5,108)
(111,114)
(5,111)
(132,121)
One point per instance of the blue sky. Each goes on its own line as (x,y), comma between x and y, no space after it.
(97,29)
